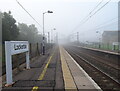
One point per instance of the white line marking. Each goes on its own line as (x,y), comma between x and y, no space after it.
(92,81)
(115,53)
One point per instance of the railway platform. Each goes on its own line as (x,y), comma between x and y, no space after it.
(54,71)
(74,76)
(45,74)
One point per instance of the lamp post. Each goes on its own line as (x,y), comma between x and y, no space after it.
(48,37)
(52,35)
(43,44)
(99,38)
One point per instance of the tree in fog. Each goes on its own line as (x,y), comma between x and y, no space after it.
(29,33)
(1,14)
(32,34)
(23,32)
(10,30)
(23,28)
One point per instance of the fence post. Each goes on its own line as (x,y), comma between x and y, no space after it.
(17,62)
(41,48)
(37,49)
(30,48)
(108,46)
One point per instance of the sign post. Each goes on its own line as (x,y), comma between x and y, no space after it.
(12,48)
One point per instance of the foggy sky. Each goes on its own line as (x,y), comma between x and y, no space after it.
(67,14)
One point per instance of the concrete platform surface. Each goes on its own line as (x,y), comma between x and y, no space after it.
(45,74)
(55,71)
(78,76)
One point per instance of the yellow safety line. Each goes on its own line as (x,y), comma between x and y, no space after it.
(35,88)
(67,76)
(45,69)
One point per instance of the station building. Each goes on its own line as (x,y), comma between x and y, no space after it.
(110,37)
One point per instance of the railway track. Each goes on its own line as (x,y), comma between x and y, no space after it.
(103,79)
(107,61)
(107,67)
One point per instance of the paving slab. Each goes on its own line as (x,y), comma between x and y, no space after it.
(79,77)
(52,77)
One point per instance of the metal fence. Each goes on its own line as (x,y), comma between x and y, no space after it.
(102,46)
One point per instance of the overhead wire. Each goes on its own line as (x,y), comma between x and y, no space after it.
(107,24)
(92,14)
(88,16)
(100,8)
(93,10)
(99,27)
(97,10)
(96,6)
(107,21)
(29,14)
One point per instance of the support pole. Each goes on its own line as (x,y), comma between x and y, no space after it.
(78,38)
(8,64)
(43,49)
(27,60)
(48,37)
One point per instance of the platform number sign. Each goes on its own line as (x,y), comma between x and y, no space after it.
(12,48)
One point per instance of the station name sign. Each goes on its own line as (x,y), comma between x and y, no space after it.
(12,48)
(19,47)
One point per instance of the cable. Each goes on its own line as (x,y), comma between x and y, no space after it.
(102,26)
(96,6)
(107,25)
(93,10)
(28,13)
(97,11)
(101,8)
(93,13)
(87,17)
(107,21)
(99,26)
